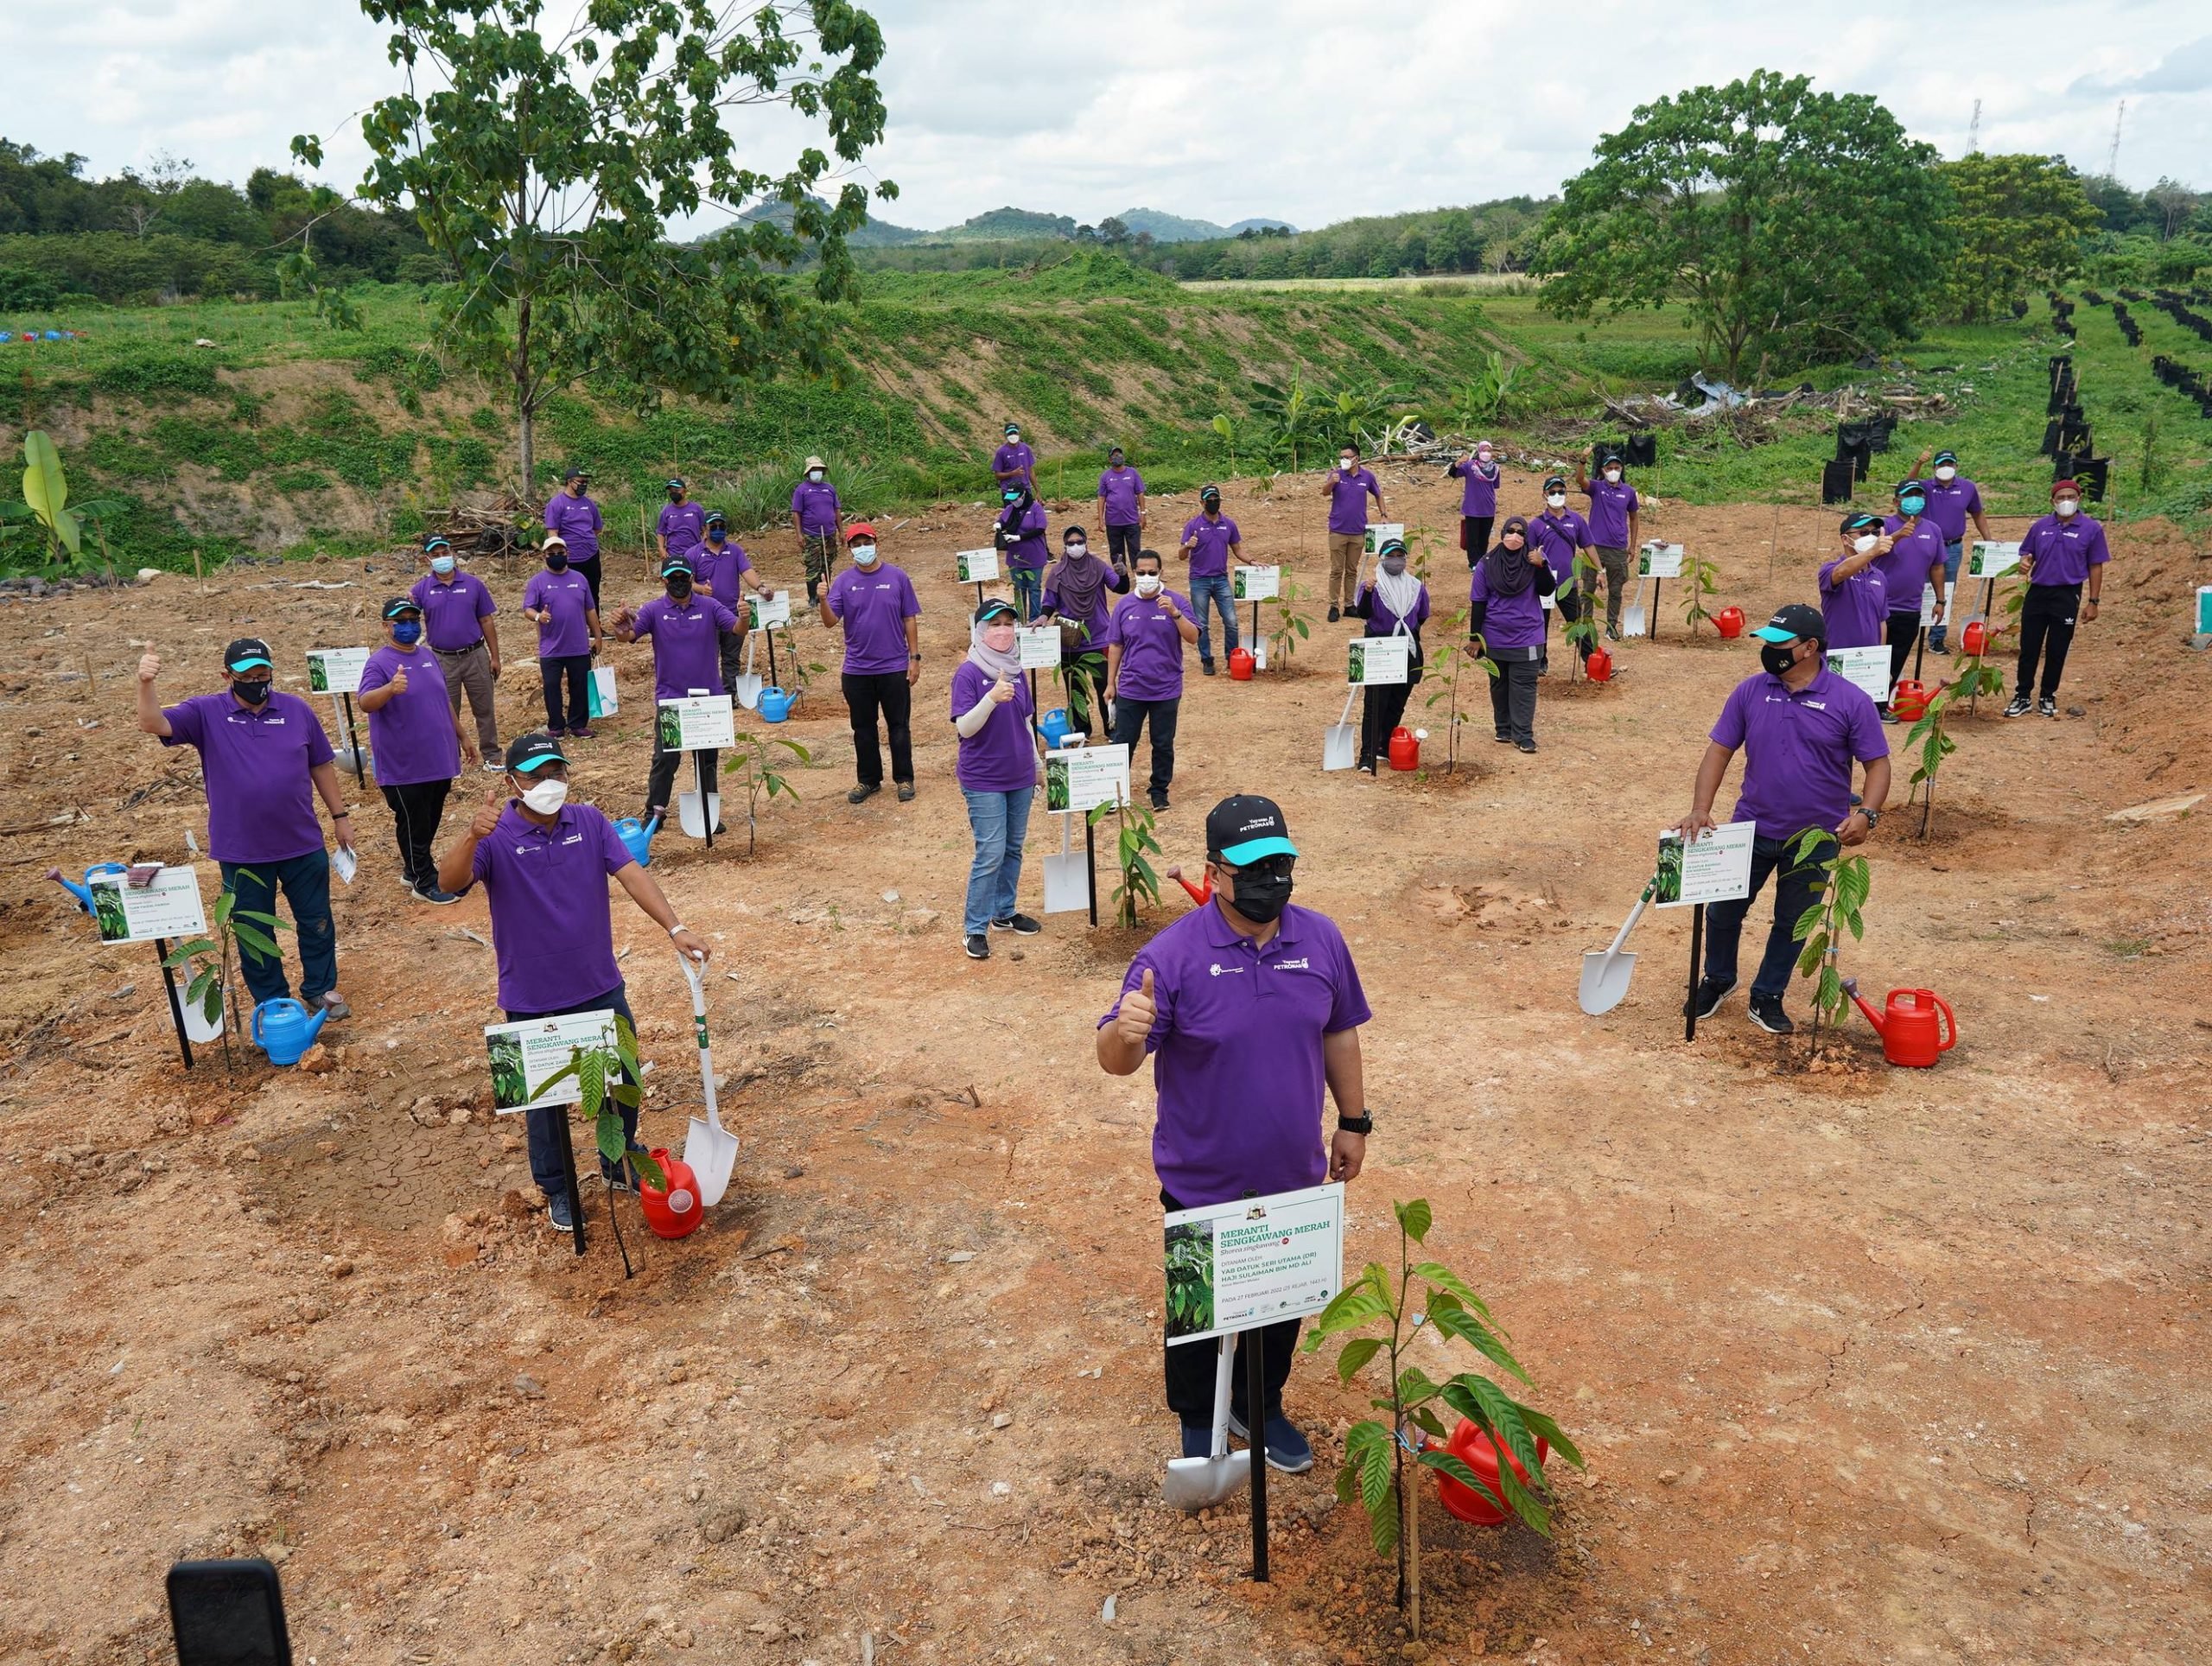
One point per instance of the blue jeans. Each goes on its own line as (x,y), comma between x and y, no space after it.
(1027,590)
(306,882)
(1002,823)
(1795,889)
(1214,590)
(1953,553)
(544,1133)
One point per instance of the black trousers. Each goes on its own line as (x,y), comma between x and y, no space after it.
(416,809)
(1121,542)
(660,781)
(1382,708)
(544,1133)
(575,669)
(1513,694)
(889,693)
(1129,719)
(1190,1369)
(1474,536)
(1904,631)
(732,646)
(2046,621)
(589,568)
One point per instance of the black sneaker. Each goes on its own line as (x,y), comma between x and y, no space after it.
(1526,746)
(1159,800)
(1503,740)
(863,793)
(1020,924)
(1710,995)
(905,793)
(432,892)
(979,946)
(557,1213)
(1287,1450)
(2047,707)
(2020,705)
(1767,1013)
(1613,633)
(1206,665)
(1335,612)
(1367,765)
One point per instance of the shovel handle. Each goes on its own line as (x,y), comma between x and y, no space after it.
(1634,915)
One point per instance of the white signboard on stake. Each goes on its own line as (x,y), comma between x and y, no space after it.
(1255,583)
(1236,1266)
(1713,868)
(336,670)
(1864,668)
(1989,559)
(1657,560)
(1375,659)
(769,613)
(975,566)
(1083,778)
(523,1055)
(1382,532)
(167,906)
(703,722)
(1040,647)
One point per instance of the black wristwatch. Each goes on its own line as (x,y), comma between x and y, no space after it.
(1363,1123)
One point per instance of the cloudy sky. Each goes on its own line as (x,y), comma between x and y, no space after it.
(1295,109)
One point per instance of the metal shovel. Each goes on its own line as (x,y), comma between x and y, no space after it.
(1632,615)
(708,1147)
(1605,973)
(748,680)
(699,823)
(1067,876)
(1340,741)
(1196,1484)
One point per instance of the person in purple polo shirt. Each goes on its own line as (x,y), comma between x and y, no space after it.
(572,516)
(415,741)
(1014,463)
(264,759)
(1076,587)
(1506,622)
(815,514)
(1854,603)
(2063,552)
(999,770)
(1952,501)
(1348,488)
(1913,562)
(1393,604)
(1799,726)
(1248,1007)
(1121,508)
(543,862)
(1210,542)
(685,629)
(457,623)
(1558,533)
(1144,668)
(875,604)
(1478,500)
(721,569)
(1019,534)
(564,606)
(682,527)
(1615,529)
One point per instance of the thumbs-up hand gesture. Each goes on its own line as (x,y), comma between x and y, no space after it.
(487,817)
(1134,1021)
(1001,691)
(399,680)
(150,666)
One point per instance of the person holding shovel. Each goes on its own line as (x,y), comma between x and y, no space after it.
(1799,726)
(722,569)
(686,631)
(1854,603)
(875,606)
(560,601)
(415,741)
(1348,488)
(1144,668)
(1616,527)
(1018,535)
(265,759)
(1558,533)
(572,516)
(1952,501)
(2061,553)
(815,514)
(544,862)
(1478,500)
(1913,562)
(1506,623)
(1210,542)
(1393,604)
(1000,770)
(457,613)
(1076,588)
(1249,1009)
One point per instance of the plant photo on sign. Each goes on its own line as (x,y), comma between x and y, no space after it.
(107,914)
(1667,885)
(1376,1454)
(1845,882)
(1136,844)
(602,1102)
(209,957)
(1189,1280)
(1056,784)
(510,1083)
(669,728)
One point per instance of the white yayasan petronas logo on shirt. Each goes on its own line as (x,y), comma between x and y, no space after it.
(1217,968)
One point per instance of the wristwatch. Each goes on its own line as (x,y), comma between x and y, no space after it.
(1873,816)
(1363,1123)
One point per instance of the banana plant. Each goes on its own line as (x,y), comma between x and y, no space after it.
(46,492)
(1845,882)
(1227,429)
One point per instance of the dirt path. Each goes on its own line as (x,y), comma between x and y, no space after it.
(1869,1365)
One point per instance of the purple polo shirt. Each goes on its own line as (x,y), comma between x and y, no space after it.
(411,736)
(815,503)
(567,596)
(1236,1051)
(260,802)
(552,932)
(1348,496)
(1380,621)
(1210,558)
(687,644)
(578,521)
(1559,540)
(2063,552)
(873,607)
(683,526)
(1948,506)
(1514,621)
(1856,607)
(1610,507)
(999,757)
(1152,648)
(1120,488)
(722,567)
(453,609)
(1027,551)
(1017,459)
(1117,583)
(1480,496)
(1904,569)
(1798,749)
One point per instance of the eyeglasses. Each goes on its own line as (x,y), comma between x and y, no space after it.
(1271,867)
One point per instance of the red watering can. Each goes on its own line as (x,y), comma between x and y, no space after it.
(1202,893)
(1977,638)
(1240,665)
(1909,699)
(1918,1028)
(1474,1448)
(1729,621)
(673,1212)
(1405,748)
(1599,665)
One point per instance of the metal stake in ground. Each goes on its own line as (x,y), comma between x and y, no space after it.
(569,1173)
(1255,1419)
(1091,862)
(176,1008)
(1697,954)
(706,805)
(353,743)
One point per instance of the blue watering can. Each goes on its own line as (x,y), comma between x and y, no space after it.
(775,704)
(1054,727)
(282,1029)
(84,893)
(637,837)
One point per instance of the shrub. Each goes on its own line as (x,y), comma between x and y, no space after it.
(151,371)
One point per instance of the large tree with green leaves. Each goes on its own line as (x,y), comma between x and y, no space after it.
(2019,222)
(545,164)
(1793,225)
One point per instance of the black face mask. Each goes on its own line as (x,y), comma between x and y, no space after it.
(1775,658)
(556,559)
(1261,897)
(254,693)
(679,585)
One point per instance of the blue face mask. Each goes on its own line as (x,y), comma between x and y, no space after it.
(441,565)
(1911,505)
(407,632)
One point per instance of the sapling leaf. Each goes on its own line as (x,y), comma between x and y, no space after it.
(1356,1353)
(1815,946)
(1347,1482)
(1457,1322)
(1443,1278)
(649,1169)
(1415,1217)
(1415,1387)
(212,1003)
(1453,1464)
(1354,1305)
(1806,921)
(176,958)
(1858,926)
(1491,1408)
(261,947)
(1427,1421)
(1541,1424)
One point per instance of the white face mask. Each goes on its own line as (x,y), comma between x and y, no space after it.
(1014,437)
(1076,551)
(1483,455)
(2067,508)
(864,554)
(814,474)
(1947,473)
(1864,542)
(1557,500)
(545,797)
(1612,475)
(1147,584)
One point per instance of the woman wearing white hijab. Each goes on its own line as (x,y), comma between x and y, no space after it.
(1393,604)
(999,770)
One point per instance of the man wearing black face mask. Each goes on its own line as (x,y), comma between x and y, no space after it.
(1249,1009)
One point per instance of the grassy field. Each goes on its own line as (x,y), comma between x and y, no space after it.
(278,432)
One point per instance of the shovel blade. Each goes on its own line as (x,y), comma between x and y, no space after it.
(1605,977)
(1067,884)
(1196,1484)
(1339,747)
(748,689)
(689,818)
(1632,620)
(711,1150)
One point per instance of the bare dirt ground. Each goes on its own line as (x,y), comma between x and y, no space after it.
(1869,1365)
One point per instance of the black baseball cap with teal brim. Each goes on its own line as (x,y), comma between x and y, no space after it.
(395,606)
(1943,457)
(1793,623)
(247,653)
(677,565)
(533,752)
(993,608)
(1859,521)
(1246,829)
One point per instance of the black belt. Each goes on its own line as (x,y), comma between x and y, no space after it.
(455,653)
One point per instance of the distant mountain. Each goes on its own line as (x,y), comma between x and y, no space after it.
(1260,226)
(1173,228)
(1001,223)
(876,234)
(1005,225)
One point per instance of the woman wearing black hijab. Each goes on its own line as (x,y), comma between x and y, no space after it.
(1505,619)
